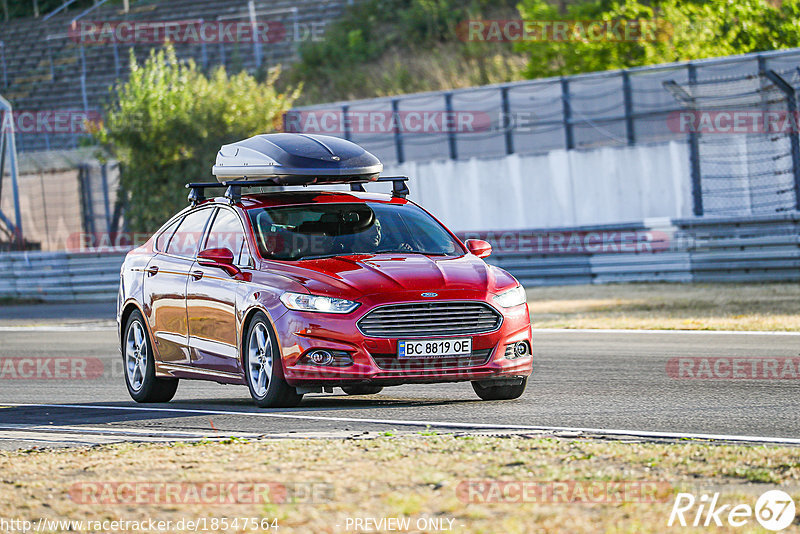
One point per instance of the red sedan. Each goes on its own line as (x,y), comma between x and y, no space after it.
(299,292)
(290,293)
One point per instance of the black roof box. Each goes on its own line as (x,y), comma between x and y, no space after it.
(296,159)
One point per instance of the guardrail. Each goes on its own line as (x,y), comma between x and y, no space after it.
(758,248)
(762,248)
(60,276)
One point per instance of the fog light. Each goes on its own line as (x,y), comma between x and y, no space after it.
(520,349)
(320,357)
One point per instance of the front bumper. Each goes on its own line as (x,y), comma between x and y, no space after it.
(374,360)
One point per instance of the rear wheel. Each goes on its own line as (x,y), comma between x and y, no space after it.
(500,392)
(263,367)
(140,365)
(362,390)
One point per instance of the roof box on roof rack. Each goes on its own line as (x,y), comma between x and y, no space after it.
(296,159)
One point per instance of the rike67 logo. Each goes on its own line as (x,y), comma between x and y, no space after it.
(774,510)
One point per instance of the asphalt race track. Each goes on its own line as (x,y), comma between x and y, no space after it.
(615,382)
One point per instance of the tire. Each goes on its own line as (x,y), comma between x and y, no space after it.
(505,392)
(362,389)
(139,363)
(263,367)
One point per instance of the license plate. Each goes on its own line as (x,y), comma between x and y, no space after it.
(434,348)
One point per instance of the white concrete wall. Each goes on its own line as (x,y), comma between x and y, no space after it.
(561,188)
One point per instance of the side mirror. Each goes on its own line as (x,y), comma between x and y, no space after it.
(479,247)
(221,258)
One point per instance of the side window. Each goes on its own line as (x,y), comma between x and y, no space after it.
(227,232)
(186,239)
(163,238)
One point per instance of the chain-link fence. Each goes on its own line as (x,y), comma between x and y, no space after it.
(743,140)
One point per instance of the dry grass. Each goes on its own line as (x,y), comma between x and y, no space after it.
(434,67)
(767,306)
(402,477)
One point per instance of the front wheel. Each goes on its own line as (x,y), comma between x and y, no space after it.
(140,365)
(263,367)
(501,392)
(362,390)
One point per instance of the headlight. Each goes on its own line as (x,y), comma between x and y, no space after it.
(512,297)
(316,303)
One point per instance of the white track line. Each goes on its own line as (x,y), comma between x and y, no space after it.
(441,424)
(60,328)
(117,431)
(633,331)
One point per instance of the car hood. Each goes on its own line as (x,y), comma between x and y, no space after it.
(354,276)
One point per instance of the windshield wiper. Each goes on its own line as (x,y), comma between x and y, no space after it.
(387,251)
(321,256)
(395,251)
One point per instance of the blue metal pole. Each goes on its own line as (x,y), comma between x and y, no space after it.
(12,148)
(569,137)
(694,156)
(398,135)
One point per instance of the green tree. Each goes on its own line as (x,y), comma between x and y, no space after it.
(684,30)
(167,122)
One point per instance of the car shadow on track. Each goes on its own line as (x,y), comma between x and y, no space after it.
(323,403)
(103,413)
(70,415)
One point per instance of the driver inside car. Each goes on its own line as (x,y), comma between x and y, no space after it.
(370,240)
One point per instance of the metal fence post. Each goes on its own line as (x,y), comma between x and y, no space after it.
(346,122)
(86,198)
(451,134)
(106,200)
(694,157)
(3,59)
(506,117)
(83,81)
(628,102)
(791,108)
(251,7)
(9,145)
(116,59)
(569,138)
(398,136)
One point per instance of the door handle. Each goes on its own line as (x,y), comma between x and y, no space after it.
(152,271)
(197,275)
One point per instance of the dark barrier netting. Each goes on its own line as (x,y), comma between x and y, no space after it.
(734,170)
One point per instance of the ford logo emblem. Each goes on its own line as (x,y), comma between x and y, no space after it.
(430,294)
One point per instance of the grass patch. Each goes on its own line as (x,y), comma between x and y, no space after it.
(734,306)
(401,477)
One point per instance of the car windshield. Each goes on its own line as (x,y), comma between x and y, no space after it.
(324,230)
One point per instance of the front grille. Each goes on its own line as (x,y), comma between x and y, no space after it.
(390,362)
(419,319)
